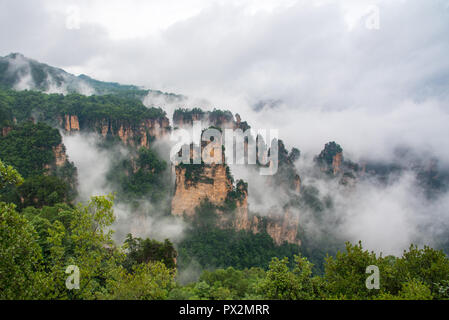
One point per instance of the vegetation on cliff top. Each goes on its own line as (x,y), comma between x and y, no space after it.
(24,105)
(28,147)
(216,117)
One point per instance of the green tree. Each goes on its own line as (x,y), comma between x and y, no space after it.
(86,243)
(346,275)
(427,265)
(9,176)
(283,284)
(20,257)
(411,290)
(143,251)
(147,281)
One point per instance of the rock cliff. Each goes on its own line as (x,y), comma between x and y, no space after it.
(210,182)
(60,155)
(137,134)
(197,183)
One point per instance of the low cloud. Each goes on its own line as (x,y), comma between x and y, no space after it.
(140,218)
(386,216)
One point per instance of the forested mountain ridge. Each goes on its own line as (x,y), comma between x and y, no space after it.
(21,73)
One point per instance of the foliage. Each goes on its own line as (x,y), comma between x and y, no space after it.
(239,249)
(237,194)
(9,176)
(48,107)
(216,117)
(345,274)
(194,174)
(327,155)
(144,175)
(20,256)
(222,284)
(37,246)
(44,190)
(186,115)
(282,284)
(28,147)
(147,281)
(146,250)
(427,265)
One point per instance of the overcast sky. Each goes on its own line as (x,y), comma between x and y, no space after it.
(369,74)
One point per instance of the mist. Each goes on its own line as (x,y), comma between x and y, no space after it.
(140,218)
(386,216)
(91,162)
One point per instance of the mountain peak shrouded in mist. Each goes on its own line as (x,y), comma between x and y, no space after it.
(22,73)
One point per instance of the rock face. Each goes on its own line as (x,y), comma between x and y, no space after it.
(212,182)
(71,123)
(336,163)
(138,134)
(60,158)
(60,155)
(213,185)
(284,228)
(332,162)
(330,159)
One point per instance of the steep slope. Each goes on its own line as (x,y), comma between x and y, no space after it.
(20,73)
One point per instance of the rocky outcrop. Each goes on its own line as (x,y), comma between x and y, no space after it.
(331,161)
(6,130)
(60,155)
(336,163)
(196,183)
(60,158)
(211,183)
(284,228)
(70,123)
(138,134)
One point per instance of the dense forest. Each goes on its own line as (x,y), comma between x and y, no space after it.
(37,245)
(25,105)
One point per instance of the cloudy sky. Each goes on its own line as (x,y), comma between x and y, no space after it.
(370,74)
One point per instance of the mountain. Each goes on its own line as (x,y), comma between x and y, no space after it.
(21,73)
(213,219)
(266,207)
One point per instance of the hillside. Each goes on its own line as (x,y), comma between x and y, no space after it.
(22,73)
